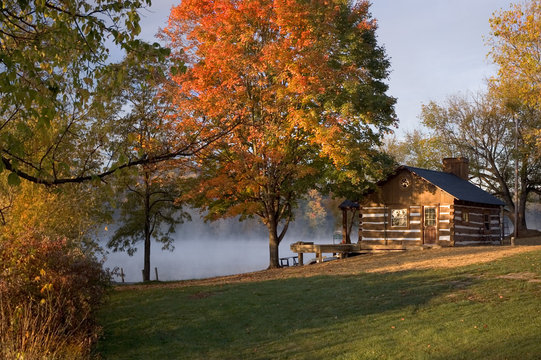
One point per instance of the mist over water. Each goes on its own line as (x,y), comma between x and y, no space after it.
(205,250)
(195,259)
(228,247)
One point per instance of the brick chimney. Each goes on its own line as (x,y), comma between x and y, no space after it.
(458,166)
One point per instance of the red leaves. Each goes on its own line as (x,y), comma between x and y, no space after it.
(287,75)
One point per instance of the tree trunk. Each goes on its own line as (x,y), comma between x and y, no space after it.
(274,241)
(146,265)
(522,211)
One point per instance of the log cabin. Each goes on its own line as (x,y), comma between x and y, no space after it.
(420,207)
(417,208)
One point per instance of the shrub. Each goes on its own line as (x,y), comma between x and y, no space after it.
(49,293)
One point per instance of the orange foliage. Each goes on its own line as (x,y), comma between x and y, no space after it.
(294,81)
(267,61)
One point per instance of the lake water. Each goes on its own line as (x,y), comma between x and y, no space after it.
(207,249)
(200,258)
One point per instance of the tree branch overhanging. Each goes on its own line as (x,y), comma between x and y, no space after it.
(187,151)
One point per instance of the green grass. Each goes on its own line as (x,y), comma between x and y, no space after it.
(464,313)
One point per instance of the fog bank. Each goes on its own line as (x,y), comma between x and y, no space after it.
(207,249)
(195,259)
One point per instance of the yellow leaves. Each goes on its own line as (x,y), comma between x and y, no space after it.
(46,288)
(516,49)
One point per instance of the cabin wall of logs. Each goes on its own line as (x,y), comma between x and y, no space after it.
(474,225)
(442,224)
(408,210)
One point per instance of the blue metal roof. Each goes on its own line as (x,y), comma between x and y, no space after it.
(348,204)
(455,186)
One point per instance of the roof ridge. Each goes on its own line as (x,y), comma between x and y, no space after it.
(459,188)
(437,171)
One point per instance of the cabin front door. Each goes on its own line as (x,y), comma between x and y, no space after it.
(429,225)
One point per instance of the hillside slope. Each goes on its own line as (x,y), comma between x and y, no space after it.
(373,263)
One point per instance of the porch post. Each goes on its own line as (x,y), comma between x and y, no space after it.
(360,237)
(502,229)
(344,226)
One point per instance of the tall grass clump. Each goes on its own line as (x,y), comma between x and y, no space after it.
(49,293)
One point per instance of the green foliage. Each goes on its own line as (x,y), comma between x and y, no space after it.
(13,179)
(51,41)
(52,127)
(147,207)
(49,293)
(147,194)
(418,149)
(462,313)
(352,181)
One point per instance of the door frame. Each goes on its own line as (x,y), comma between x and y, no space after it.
(435,226)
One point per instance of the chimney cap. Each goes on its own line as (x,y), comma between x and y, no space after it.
(458,166)
(457,159)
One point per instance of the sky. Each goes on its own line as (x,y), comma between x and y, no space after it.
(436,48)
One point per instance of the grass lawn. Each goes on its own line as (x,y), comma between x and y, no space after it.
(473,312)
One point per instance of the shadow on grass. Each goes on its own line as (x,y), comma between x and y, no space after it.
(274,319)
(515,346)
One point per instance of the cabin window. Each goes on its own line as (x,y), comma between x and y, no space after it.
(465,216)
(430,216)
(399,217)
(487,222)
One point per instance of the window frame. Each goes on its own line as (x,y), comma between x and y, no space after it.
(406,217)
(435,208)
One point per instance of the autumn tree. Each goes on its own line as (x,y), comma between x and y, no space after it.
(73,211)
(145,194)
(516,48)
(482,129)
(303,82)
(314,211)
(515,41)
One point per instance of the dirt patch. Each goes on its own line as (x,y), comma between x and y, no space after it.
(526,276)
(460,284)
(372,263)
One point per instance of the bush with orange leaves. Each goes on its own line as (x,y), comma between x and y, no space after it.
(49,293)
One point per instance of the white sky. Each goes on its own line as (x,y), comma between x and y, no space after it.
(436,47)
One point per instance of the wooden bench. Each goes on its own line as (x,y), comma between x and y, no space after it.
(284,261)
